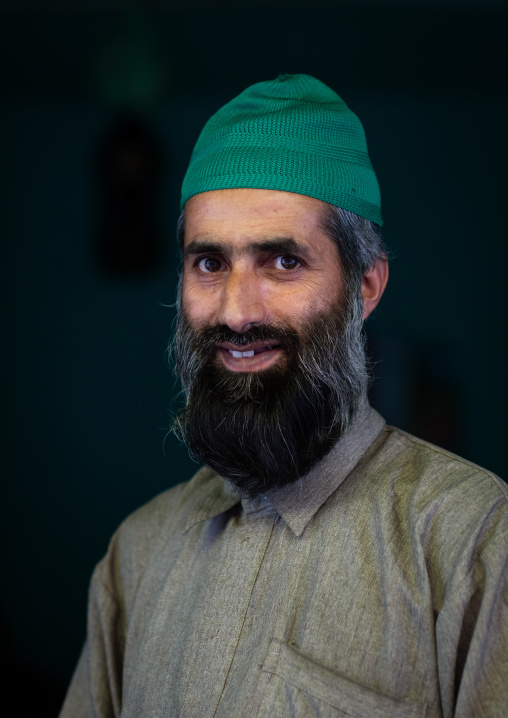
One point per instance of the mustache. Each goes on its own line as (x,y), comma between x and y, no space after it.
(207,338)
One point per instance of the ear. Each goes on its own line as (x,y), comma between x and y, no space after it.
(373,285)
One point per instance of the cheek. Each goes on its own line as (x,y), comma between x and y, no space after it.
(316,293)
(198,309)
(331,287)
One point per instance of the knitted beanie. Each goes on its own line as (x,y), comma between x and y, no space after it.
(294,134)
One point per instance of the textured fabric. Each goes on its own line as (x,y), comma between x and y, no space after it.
(376,587)
(293,134)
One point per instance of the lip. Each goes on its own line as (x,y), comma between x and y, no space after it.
(260,360)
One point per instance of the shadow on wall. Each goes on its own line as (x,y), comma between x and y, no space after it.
(33,691)
(421,388)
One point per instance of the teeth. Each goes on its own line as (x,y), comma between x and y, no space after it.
(250,353)
(239,355)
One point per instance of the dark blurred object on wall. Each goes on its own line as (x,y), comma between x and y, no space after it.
(129,168)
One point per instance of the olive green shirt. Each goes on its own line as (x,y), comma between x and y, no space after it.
(374,587)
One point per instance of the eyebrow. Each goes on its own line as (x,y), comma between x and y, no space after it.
(284,245)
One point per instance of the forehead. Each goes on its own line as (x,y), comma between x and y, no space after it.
(242,214)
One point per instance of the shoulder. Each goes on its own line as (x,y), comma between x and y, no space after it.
(140,535)
(454,509)
(432,468)
(167,512)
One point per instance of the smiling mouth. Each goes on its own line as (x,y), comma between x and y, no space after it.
(251,352)
(253,357)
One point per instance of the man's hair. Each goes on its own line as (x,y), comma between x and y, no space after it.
(358,240)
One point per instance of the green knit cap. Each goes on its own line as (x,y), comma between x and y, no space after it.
(293,133)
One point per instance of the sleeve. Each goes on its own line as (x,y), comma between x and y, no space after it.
(95,689)
(472,628)
(77,701)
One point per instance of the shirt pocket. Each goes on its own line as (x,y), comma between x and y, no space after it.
(302,688)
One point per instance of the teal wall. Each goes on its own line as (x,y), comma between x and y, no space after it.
(84,381)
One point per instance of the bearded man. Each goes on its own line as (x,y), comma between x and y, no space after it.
(320,563)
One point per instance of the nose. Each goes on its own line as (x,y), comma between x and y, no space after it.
(242,304)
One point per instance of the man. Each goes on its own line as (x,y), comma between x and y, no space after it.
(320,563)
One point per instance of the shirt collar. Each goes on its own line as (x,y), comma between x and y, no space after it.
(298,502)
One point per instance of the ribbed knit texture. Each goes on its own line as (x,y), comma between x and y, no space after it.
(293,133)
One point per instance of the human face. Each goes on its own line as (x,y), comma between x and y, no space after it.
(256,257)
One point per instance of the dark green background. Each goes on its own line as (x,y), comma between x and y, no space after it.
(85,387)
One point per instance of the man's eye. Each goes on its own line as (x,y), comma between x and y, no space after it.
(286,262)
(209,264)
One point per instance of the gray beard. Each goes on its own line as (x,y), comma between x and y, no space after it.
(265,429)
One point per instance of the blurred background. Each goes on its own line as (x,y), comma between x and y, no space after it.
(101,102)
